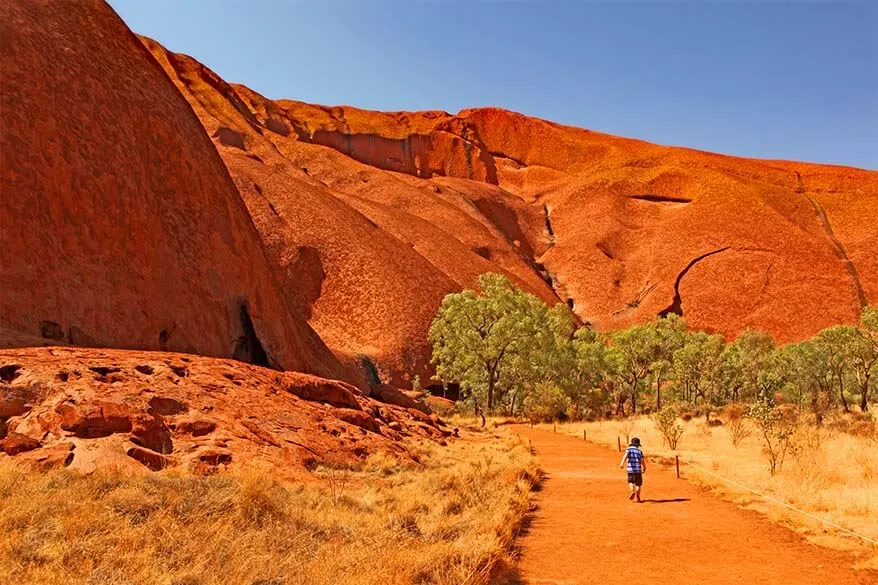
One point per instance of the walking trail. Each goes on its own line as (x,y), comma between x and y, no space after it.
(585,531)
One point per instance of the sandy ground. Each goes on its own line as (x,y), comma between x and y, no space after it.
(585,531)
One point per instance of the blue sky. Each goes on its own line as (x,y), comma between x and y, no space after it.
(771,79)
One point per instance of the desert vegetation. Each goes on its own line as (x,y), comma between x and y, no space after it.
(513,355)
(793,421)
(450,519)
(790,421)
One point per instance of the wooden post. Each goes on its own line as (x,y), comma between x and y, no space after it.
(584,435)
(677,460)
(554,428)
(619,443)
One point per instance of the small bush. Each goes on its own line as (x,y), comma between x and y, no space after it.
(736,424)
(666,423)
(545,403)
(775,425)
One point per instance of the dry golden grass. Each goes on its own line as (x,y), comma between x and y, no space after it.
(830,474)
(451,520)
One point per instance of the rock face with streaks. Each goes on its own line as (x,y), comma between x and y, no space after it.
(149,204)
(413,205)
(120,224)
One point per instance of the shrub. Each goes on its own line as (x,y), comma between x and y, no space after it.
(666,423)
(776,431)
(736,424)
(627,427)
(545,402)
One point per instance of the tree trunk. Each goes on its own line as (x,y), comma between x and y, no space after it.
(481,414)
(490,401)
(864,394)
(844,400)
(634,398)
(658,393)
(620,405)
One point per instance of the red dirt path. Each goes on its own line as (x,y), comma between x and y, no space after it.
(585,530)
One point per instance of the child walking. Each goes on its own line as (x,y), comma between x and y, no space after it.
(636,468)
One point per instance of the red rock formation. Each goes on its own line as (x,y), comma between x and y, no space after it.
(120,225)
(139,410)
(123,228)
(368,255)
(623,230)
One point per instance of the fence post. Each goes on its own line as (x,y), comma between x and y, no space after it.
(554,428)
(619,443)
(584,435)
(677,460)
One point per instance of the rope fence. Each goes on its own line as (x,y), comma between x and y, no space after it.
(777,501)
(766,497)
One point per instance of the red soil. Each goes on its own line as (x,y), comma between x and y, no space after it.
(586,531)
(142,411)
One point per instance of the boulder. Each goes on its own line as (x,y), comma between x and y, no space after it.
(390,395)
(51,457)
(149,458)
(99,418)
(317,389)
(16,443)
(357,418)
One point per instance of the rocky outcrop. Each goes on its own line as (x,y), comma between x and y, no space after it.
(210,220)
(606,224)
(149,411)
(121,225)
(367,254)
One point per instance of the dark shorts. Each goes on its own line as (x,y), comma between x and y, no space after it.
(635,478)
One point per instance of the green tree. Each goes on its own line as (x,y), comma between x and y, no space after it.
(545,402)
(589,367)
(632,354)
(862,351)
(544,359)
(746,362)
(475,336)
(810,375)
(775,429)
(667,424)
(668,336)
(835,343)
(698,366)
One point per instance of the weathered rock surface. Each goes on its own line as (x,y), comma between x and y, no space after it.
(120,224)
(148,411)
(367,255)
(371,217)
(123,227)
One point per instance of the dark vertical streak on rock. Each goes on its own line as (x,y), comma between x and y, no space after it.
(676,306)
(837,246)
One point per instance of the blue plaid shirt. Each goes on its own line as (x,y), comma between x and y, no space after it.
(635,460)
